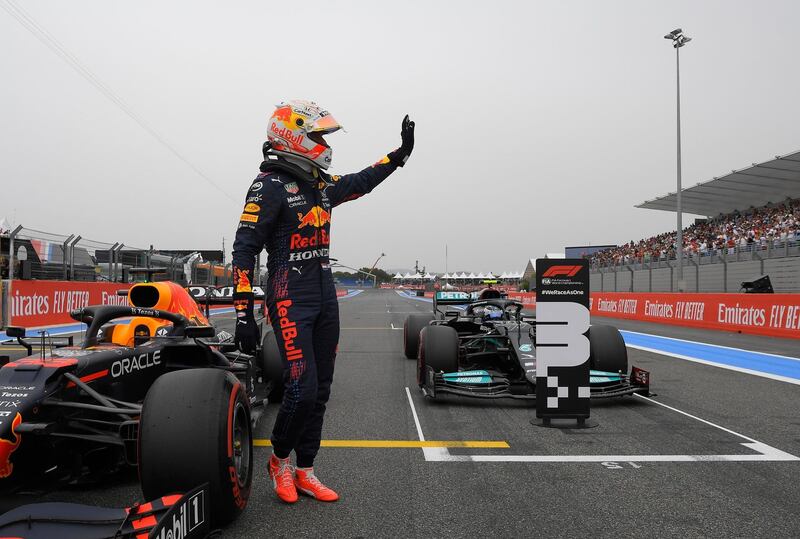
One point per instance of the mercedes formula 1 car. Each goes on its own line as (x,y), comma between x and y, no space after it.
(488,350)
(159,389)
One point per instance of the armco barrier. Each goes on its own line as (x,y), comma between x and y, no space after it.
(777,315)
(47,303)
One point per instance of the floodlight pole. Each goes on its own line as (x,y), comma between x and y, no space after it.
(678,41)
(679,208)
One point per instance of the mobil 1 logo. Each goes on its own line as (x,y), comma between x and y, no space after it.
(562,343)
(186,519)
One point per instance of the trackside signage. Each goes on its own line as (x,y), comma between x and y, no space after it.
(44,303)
(776,315)
(562,344)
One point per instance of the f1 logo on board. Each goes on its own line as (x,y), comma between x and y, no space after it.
(566,271)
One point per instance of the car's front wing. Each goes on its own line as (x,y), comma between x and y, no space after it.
(499,387)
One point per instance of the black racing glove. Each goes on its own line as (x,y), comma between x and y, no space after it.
(401,154)
(247,334)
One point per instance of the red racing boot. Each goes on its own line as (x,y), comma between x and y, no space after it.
(282,474)
(307,483)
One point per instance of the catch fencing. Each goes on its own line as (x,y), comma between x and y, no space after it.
(29,254)
(41,265)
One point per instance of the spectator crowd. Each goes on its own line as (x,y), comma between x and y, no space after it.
(749,230)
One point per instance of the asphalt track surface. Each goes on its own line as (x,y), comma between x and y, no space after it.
(673,466)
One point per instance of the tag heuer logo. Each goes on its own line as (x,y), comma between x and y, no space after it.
(292,187)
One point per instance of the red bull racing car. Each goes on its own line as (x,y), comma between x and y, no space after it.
(487,349)
(163,392)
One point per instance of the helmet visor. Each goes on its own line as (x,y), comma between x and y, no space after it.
(325,124)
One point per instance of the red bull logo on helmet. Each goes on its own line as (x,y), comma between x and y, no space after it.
(283,114)
(286,134)
(316,217)
(7,447)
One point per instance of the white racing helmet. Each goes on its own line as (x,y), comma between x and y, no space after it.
(296,129)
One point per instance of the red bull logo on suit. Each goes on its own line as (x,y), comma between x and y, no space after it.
(316,217)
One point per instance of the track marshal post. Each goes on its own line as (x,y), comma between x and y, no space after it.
(562,343)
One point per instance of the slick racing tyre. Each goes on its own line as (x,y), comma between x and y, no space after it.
(195,429)
(411,328)
(272,365)
(438,349)
(607,350)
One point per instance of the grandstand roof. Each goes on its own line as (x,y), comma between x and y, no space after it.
(771,181)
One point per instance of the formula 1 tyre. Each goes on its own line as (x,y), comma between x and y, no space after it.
(438,349)
(411,328)
(195,429)
(272,365)
(607,350)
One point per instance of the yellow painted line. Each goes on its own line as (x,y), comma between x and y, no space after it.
(390,444)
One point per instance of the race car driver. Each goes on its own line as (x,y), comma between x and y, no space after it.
(288,209)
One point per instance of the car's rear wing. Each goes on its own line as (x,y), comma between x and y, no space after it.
(218,294)
(208,295)
(451,297)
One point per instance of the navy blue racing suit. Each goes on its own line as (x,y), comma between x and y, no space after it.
(289,211)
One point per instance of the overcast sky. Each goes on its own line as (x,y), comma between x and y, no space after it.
(539,124)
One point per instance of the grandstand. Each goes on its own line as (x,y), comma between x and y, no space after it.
(756,229)
(753,228)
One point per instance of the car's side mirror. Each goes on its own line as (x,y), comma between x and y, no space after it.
(15,332)
(199,332)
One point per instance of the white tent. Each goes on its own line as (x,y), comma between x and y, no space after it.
(490,275)
(472,276)
(397,276)
(408,276)
(481,276)
(429,277)
(463,275)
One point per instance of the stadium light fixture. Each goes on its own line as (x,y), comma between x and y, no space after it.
(678,41)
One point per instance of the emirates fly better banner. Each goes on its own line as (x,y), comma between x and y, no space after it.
(562,343)
(776,315)
(45,303)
